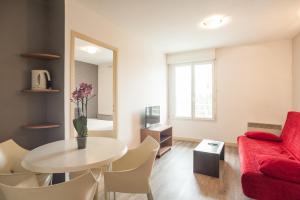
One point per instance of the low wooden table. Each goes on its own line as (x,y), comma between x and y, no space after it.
(206,157)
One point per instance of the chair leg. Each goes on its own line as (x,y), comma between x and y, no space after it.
(96,193)
(114,196)
(149,195)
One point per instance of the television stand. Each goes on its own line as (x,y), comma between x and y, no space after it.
(162,134)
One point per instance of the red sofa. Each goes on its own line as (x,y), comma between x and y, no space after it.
(256,184)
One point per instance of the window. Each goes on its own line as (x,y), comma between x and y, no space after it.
(192,90)
(183,92)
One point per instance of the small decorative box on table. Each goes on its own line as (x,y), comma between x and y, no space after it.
(162,134)
(206,157)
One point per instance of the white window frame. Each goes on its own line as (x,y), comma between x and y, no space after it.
(172,100)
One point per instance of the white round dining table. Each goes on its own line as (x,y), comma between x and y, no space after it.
(63,156)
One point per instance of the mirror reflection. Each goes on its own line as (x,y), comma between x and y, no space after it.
(94,65)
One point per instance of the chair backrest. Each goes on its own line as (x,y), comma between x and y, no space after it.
(11,155)
(291,133)
(15,178)
(149,148)
(80,188)
(136,157)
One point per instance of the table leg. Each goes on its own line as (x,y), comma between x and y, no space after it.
(107,168)
(58,178)
(51,180)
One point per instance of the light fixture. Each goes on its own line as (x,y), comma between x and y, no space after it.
(90,49)
(214,22)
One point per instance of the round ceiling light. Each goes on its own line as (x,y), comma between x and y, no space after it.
(214,22)
(90,49)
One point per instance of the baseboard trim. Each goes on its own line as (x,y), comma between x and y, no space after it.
(230,144)
(185,139)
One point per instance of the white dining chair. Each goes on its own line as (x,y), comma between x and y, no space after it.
(11,155)
(131,173)
(79,188)
(18,178)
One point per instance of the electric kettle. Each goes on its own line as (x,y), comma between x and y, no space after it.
(39,79)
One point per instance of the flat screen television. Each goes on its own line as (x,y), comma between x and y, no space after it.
(152,115)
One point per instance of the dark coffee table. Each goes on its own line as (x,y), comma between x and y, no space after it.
(207,156)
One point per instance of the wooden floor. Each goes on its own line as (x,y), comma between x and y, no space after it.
(173,178)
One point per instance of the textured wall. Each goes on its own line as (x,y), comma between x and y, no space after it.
(56,44)
(21,32)
(28,26)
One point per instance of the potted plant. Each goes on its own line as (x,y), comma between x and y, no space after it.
(81,96)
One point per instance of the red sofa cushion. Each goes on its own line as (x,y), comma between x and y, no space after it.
(259,135)
(282,168)
(291,133)
(249,149)
(257,185)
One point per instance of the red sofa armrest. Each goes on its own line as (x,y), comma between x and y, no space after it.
(259,135)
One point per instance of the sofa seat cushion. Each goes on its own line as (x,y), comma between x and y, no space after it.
(259,135)
(254,183)
(249,148)
(282,168)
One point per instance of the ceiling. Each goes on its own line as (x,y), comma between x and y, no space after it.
(102,55)
(172,25)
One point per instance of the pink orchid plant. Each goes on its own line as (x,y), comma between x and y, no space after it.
(81,96)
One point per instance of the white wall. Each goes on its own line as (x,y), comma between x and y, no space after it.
(296,73)
(254,84)
(141,74)
(105,89)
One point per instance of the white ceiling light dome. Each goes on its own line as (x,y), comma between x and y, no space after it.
(90,49)
(213,22)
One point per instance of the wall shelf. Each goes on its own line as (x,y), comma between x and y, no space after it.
(43,56)
(164,138)
(41,91)
(41,126)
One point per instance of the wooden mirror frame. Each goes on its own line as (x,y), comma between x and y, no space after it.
(74,35)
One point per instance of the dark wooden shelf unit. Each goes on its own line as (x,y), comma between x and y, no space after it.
(162,134)
(163,150)
(42,56)
(41,91)
(164,138)
(41,126)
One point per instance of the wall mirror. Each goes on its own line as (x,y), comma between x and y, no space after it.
(95,63)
